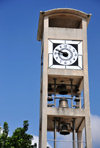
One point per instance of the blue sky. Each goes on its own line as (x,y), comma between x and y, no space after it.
(20,58)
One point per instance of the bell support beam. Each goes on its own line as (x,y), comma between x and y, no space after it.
(65,72)
(81,125)
(54,133)
(66,112)
(74,144)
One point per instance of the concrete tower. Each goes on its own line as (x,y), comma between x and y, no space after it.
(64,94)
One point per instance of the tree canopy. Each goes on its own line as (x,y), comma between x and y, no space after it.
(19,138)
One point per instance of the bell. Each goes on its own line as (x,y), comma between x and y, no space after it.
(50,105)
(50,97)
(63,103)
(64,129)
(77,99)
(62,89)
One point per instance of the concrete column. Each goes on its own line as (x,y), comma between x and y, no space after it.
(43,118)
(54,133)
(86,89)
(88,132)
(43,142)
(79,140)
(74,144)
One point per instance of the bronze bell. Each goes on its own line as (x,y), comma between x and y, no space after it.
(62,89)
(63,103)
(64,129)
(50,97)
(77,99)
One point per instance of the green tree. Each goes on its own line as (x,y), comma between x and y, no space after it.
(4,136)
(19,139)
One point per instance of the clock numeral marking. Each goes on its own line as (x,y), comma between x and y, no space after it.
(70,61)
(65,45)
(65,54)
(60,61)
(65,63)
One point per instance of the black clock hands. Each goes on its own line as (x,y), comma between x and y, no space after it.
(65,54)
(60,51)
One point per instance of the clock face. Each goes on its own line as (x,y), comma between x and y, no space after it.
(65,54)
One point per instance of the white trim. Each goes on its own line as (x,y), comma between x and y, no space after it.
(50,54)
(64,67)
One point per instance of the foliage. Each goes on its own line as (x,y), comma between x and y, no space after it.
(19,139)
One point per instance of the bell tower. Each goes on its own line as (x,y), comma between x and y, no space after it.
(64,92)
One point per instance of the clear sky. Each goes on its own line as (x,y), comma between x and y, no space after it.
(20,58)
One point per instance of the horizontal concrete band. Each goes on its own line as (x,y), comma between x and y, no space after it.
(65,33)
(66,112)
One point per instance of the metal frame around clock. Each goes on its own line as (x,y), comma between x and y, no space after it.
(62,42)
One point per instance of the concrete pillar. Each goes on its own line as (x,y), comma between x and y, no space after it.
(43,118)
(44,133)
(74,144)
(79,140)
(54,133)
(88,132)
